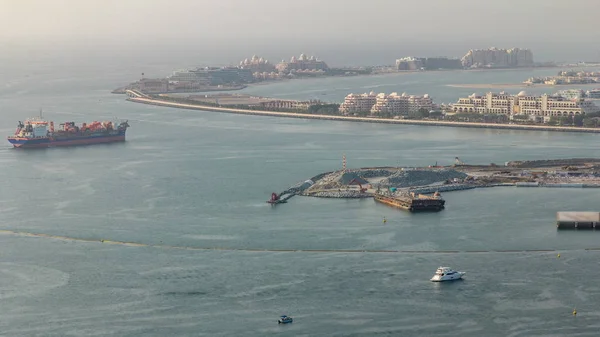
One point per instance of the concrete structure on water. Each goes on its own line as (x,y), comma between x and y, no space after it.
(578,220)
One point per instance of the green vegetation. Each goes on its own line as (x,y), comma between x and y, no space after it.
(349,71)
(576,120)
(324,109)
(590,120)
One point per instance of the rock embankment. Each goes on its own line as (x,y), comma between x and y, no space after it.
(421,177)
(553,162)
(373,173)
(337,194)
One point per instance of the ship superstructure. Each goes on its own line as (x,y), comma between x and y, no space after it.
(412,202)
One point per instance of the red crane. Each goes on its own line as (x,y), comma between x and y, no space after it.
(354,181)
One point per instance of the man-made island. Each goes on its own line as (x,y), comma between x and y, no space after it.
(369,181)
(410,188)
(494,111)
(249,71)
(257,69)
(567,77)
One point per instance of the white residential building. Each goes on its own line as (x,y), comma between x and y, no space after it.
(401,104)
(358,103)
(494,57)
(382,104)
(538,108)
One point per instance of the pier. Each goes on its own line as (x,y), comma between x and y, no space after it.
(578,220)
(283,197)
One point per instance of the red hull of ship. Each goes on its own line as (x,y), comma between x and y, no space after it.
(72,142)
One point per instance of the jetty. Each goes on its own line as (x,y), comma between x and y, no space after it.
(578,220)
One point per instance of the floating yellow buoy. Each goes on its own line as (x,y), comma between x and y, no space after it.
(558,255)
(574,312)
(384,220)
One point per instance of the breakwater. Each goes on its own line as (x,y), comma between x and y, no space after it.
(159,102)
(339,194)
(453,187)
(441,188)
(557,185)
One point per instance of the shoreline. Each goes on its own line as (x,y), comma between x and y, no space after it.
(516,85)
(158,102)
(121,90)
(457,177)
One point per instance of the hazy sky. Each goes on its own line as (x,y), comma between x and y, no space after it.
(542,24)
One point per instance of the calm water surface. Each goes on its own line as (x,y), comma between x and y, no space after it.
(200,180)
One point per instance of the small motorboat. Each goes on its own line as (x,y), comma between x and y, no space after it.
(285,319)
(446,274)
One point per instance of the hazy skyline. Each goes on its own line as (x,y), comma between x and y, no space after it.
(446,26)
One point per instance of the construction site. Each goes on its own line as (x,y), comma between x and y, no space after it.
(416,182)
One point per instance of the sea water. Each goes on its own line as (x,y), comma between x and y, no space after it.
(212,258)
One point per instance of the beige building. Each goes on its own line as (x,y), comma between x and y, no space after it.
(288,104)
(358,103)
(497,58)
(266,75)
(302,63)
(538,108)
(400,104)
(257,65)
(382,104)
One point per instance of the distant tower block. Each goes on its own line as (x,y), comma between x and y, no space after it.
(344,162)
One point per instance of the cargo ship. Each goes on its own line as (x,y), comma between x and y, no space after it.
(412,202)
(38,133)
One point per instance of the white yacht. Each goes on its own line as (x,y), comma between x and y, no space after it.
(446,274)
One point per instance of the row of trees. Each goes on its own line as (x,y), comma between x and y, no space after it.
(587,120)
(324,109)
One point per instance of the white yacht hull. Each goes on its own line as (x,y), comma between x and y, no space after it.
(451,277)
